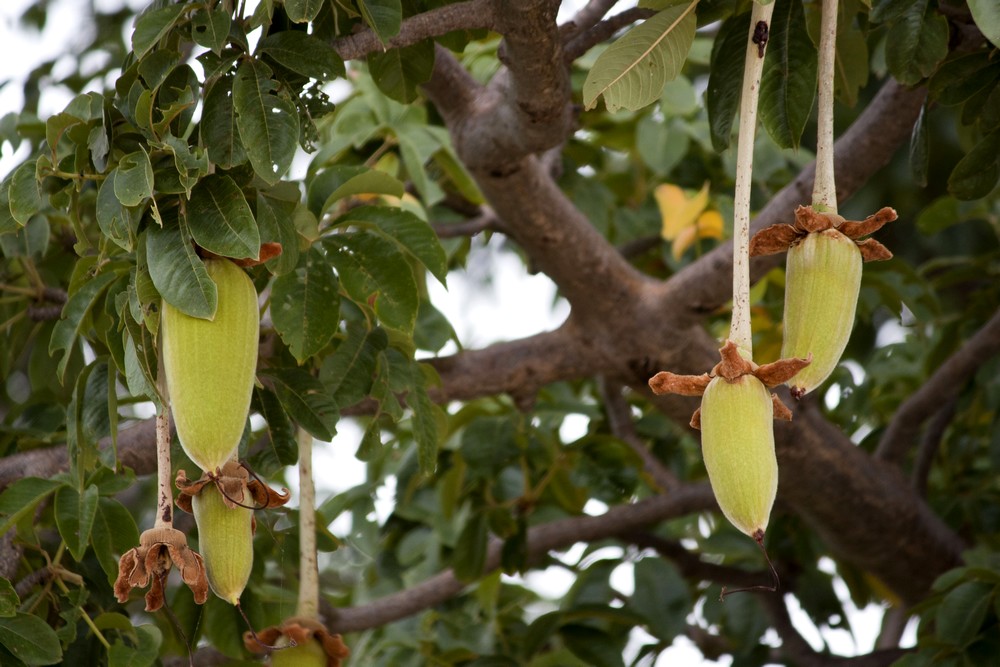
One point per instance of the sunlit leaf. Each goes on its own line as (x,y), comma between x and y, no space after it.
(631,73)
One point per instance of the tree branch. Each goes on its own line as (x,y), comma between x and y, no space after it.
(581,42)
(692,566)
(947,381)
(541,540)
(471,15)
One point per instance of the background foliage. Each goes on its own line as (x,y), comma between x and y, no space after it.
(608,169)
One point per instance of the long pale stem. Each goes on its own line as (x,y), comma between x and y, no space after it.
(308,605)
(740,330)
(164,493)
(825,187)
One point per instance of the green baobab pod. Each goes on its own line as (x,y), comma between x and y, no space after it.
(822,281)
(306,654)
(737,442)
(210,367)
(225,540)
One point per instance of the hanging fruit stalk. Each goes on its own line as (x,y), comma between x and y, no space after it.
(302,640)
(823,270)
(210,367)
(737,412)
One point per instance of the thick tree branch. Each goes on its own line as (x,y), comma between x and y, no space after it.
(541,540)
(581,42)
(471,15)
(947,381)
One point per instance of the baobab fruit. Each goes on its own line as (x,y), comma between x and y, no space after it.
(306,654)
(823,279)
(225,540)
(737,442)
(210,367)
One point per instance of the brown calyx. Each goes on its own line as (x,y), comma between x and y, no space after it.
(150,562)
(234,483)
(298,630)
(780,237)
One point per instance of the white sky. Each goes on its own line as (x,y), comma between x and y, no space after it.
(511,305)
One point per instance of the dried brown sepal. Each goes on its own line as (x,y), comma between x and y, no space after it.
(781,410)
(774,239)
(873,251)
(150,562)
(731,367)
(264,497)
(780,237)
(874,222)
(234,483)
(781,371)
(666,382)
(298,630)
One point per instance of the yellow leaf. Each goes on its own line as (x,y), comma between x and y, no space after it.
(707,225)
(677,211)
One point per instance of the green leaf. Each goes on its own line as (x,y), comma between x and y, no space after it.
(886,11)
(219,132)
(725,80)
(920,149)
(305,305)
(916,43)
(351,369)
(114,532)
(398,72)
(976,174)
(413,235)
(30,639)
(469,556)
(303,11)
(592,645)
(268,123)
(631,73)
(986,14)
(788,85)
(134,179)
(117,222)
(851,65)
(8,224)
(143,654)
(339,181)
(661,597)
(178,273)
(306,400)
(283,449)
(220,219)
(960,78)
(425,430)
(75,514)
(276,223)
(9,601)
(375,272)
(384,17)
(962,612)
(79,304)
(304,54)
(210,28)
(152,26)
(25,198)
(21,498)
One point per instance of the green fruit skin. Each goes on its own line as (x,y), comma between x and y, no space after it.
(225,540)
(307,654)
(822,281)
(211,365)
(737,442)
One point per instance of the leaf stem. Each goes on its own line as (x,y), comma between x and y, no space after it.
(740,329)
(308,606)
(825,187)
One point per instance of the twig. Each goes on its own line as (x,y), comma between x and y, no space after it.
(691,565)
(580,43)
(929,445)
(586,17)
(471,15)
(620,421)
(948,380)
(486,221)
(739,332)
(541,539)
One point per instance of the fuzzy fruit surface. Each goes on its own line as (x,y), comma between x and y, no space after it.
(822,280)
(211,365)
(737,442)
(307,654)
(225,540)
